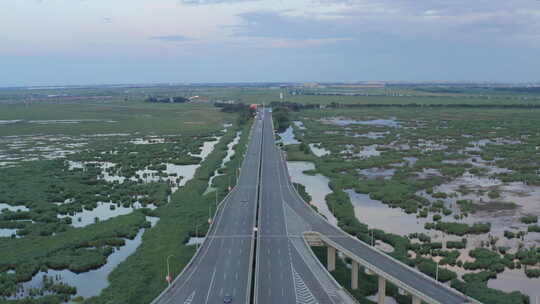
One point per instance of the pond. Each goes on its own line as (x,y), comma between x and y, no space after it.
(380,216)
(316,186)
(102,212)
(340,121)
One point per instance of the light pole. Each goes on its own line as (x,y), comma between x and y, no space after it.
(197,237)
(436,265)
(437,272)
(169,278)
(209,213)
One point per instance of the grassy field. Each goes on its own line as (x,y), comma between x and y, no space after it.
(488,144)
(139,140)
(110,117)
(44,132)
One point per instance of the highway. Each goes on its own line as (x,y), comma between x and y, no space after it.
(305,216)
(286,270)
(223,264)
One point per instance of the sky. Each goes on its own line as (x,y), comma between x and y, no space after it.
(72,42)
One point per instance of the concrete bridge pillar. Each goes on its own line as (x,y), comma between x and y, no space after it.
(331,258)
(382,290)
(416,300)
(354,275)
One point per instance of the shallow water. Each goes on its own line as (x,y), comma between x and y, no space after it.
(512,280)
(226,159)
(7,122)
(92,282)
(5,232)
(318,150)
(316,186)
(195,241)
(376,173)
(387,299)
(370,135)
(368,151)
(230,149)
(299,124)
(178,175)
(147,141)
(103,212)
(378,215)
(32,147)
(392,122)
(207,148)
(411,160)
(287,137)
(69,121)
(12,208)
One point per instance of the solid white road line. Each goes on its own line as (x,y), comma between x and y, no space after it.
(211,285)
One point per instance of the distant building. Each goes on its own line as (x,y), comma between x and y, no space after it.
(311,85)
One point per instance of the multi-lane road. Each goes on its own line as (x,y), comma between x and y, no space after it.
(256,253)
(285,271)
(408,278)
(223,264)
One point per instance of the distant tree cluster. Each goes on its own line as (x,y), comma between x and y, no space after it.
(244,110)
(177,99)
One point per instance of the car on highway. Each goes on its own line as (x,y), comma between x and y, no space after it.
(227,299)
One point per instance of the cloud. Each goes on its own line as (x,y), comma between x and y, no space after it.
(171,38)
(482,22)
(279,25)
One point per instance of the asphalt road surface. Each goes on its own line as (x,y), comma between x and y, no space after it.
(223,264)
(314,222)
(286,270)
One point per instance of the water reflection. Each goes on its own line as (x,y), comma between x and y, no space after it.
(228,157)
(104,211)
(299,124)
(5,232)
(318,150)
(316,186)
(92,282)
(287,137)
(391,122)
(512,280)
(4,206)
